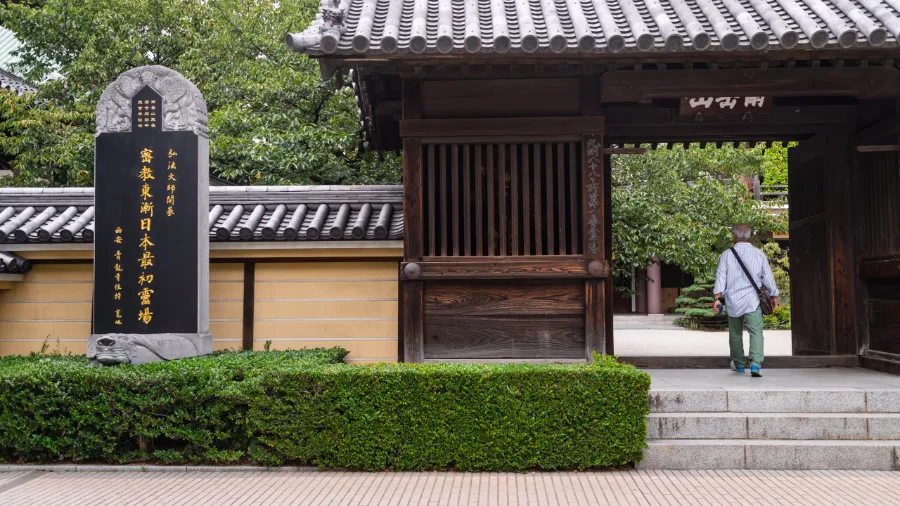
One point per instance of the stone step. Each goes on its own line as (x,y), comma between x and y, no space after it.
(798,400)
(771,455)
(774,426)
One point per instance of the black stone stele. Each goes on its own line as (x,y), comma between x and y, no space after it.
(151,257)
(146,215)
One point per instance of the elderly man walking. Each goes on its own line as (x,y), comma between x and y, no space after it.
(742,299)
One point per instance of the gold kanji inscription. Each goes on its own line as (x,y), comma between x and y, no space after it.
(145,242)
(145,296)
(145,315)
(146,260)
(146,173)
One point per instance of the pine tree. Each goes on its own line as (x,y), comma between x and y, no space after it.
(695,303)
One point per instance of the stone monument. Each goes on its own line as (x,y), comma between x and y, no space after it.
(151,245)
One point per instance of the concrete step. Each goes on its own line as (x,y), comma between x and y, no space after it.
(783,426)
(788,400)
(771,455)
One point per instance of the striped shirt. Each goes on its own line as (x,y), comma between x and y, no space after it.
(740,297)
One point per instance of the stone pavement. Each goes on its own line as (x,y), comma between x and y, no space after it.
(318,488)
(675,341)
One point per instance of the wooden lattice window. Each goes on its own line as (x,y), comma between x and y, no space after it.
(502,199)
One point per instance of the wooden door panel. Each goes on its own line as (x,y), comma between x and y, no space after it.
(495,297)
(504,319)
(811,308)
(810,302)
(504,337)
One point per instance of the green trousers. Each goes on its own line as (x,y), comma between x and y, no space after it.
(754,323)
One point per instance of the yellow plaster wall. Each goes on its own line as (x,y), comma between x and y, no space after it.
(226,305)
(53,304)
(323,304)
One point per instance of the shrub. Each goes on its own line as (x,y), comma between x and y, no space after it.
(695,303)
(780,319)
(308,408)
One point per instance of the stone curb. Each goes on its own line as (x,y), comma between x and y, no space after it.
(87,468)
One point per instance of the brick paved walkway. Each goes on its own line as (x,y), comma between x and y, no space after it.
(685,488)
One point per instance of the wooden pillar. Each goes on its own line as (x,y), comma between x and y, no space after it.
(412,299)
(654,287)
(249,297)
(640,286)
(838,211)
(595,221)
(598,294)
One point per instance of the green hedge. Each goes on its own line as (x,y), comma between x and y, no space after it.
(308,407)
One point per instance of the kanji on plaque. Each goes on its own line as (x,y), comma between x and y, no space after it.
(721,106)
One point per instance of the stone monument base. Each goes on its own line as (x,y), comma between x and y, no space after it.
(114,349)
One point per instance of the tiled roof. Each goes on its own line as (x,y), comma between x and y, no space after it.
(350,27)
(9,44)
(237,213)
(10,263)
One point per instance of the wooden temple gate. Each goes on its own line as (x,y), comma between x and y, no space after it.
(506,241)
(507,126)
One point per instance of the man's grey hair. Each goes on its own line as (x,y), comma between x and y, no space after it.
(742,232)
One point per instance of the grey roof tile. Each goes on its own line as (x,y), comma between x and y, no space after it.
(58,215)
(350,27)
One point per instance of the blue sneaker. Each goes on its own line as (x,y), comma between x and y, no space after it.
(754,371)
(736,368)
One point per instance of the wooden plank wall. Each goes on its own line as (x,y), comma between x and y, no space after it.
(504,319)
(323,304)
(878,185)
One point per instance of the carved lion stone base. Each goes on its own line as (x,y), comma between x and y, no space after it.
(115,349)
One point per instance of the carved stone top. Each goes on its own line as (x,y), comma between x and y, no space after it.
(183,104)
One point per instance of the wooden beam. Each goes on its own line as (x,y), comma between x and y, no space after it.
(557,267)
(414,321)
(877,149)
(880,269)
(624,151)
(838,161)
(870,82)
(249,298)
(712,362)
(413,238)
(490,127)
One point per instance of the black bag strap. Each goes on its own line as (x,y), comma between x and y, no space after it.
(746,272)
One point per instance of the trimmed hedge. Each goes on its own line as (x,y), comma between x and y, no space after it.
(307,407)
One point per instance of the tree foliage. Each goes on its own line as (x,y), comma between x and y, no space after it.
(775,164)
(272,120)
(680,204)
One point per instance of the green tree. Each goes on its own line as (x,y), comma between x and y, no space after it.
(272,119)
(695,303)
(680,204)
(775,164)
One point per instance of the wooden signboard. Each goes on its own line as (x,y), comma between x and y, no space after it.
(151,256)
(722,106)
